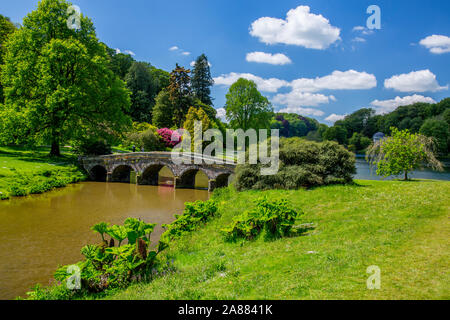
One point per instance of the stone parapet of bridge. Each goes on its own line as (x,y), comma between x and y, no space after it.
(143,168)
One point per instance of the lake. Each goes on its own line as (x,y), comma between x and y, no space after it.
(40,232)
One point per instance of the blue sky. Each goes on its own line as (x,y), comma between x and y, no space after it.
(319,61)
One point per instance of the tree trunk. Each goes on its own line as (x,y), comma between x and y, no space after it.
(55,152)
(406,175)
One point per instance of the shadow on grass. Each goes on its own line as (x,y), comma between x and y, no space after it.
(353,183)
(296,231)
(302,230)
(37,155)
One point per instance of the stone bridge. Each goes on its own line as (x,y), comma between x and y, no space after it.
(143,168)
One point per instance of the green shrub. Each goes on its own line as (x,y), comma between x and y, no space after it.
(275,217)
(149,140)
(106,266)
(152,141)
(4,195)
(302,164)
(194,214)
(93,147)
(17,190)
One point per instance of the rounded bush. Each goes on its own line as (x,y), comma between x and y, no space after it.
(302,164)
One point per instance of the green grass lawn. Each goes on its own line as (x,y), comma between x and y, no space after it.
(401,227)
(24,171)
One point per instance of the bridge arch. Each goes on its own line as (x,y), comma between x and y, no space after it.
(98,173)
(222,180)
(150,174)
(187,177)
(122,173)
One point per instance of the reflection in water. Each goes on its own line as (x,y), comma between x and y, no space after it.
(40,232)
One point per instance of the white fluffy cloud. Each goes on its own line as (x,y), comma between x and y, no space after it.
(300,28)
(335,117)
(358,28)
(437,44)
(362,30)
(416,81)
(267,85)
(174,48)
(304,91)
(131,53)
(186,53)
(358,39)
(263,57)
(303,111)
(385,106)
(192,64)
(296,98)
(221,114)
(337,80)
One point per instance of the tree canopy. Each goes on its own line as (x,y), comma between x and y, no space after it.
(143,87)
(6,28)
(57,81)
(401,153)
(245,106)
(426,118)
(163,110)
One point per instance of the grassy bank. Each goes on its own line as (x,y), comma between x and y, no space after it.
(24,171)
(401,227)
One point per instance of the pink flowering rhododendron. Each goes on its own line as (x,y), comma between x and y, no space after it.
(167,135)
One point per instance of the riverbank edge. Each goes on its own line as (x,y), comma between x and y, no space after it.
(202,252)
(27,172)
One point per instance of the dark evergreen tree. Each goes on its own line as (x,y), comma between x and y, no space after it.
(180,93)
(201,80)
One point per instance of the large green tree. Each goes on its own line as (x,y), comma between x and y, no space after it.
(336,133)
(143,87)
(58,84)
(120,62)
(6,28)
(192,116)
(246,107)
(402,153)
(201,80)
(163,110)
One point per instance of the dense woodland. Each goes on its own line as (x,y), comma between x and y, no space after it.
(357,129)
(62,86)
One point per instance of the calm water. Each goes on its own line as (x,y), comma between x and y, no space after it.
(365,173)
(40,232)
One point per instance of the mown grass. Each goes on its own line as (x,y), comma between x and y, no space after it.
(402,227)
(24,171)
